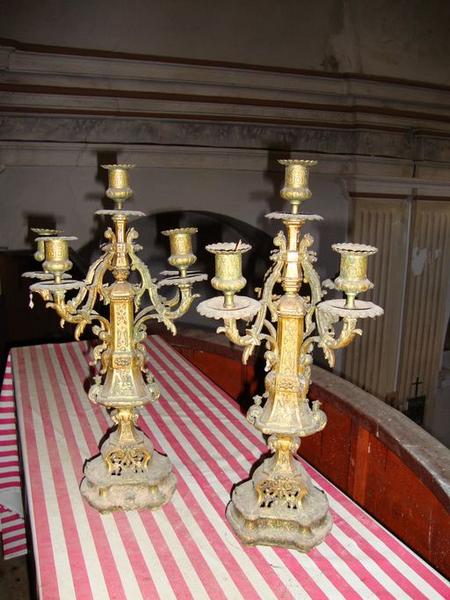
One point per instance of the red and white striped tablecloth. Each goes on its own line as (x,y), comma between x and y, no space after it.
(12,526)
(186,549)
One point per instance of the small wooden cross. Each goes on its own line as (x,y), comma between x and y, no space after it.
(416,384)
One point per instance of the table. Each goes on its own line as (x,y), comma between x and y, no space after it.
(12,526)
(186,549)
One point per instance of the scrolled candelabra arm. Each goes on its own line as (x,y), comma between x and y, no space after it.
(310,275)
(164,311)
(185,298)
(149,286)
(56,283)
(101,353)
(231,331)
(94,287)
(80,309)
(352,280)
(273,275)
(80,318)
(53,293)
(326,340)
(173,301)
(268,302)
(253,336)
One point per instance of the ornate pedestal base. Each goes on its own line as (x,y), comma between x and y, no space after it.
(128,488)
(272,520)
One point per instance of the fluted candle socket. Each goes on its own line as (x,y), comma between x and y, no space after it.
(119,189)
(228,275)
(57,256)
(181,255)
(352,278)
(295,188)
(42,234)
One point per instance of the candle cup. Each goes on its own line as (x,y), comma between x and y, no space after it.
(352,278)
(118,182)
(57,256)
(39,255)
(295,188)
(181,255)
(228,278)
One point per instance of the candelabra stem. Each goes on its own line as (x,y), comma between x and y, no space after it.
(291,274)
(350,303)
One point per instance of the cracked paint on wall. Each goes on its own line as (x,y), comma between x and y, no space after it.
(420,257)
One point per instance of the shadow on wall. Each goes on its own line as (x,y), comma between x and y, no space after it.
(275,176)
(214,227)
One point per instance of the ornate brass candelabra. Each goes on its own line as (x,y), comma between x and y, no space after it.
(127,474)
(279,506)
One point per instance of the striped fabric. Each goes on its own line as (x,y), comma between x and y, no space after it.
(12,526)
(185,550)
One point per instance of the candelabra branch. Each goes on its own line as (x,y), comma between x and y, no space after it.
(327,341)
(310,275)
(157,309)
(80,318)
(185,299)
(161,309)
(94,287)
(272,277)
(174,300)
(253,336)
(162,312)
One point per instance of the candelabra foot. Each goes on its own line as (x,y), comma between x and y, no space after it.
(297,521)
(150,488)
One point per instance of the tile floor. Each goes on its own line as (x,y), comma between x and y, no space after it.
(14,581)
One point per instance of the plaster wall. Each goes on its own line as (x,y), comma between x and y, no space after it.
(71,195)
(402,38)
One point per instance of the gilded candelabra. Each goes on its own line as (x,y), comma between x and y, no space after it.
(127,474)
(279,506)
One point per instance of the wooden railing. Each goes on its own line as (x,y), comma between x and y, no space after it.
(386,463)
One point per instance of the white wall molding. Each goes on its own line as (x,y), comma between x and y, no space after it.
(45,81)
(360,174)
(93,72)
(28,153)
(110,129)
(73,98)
